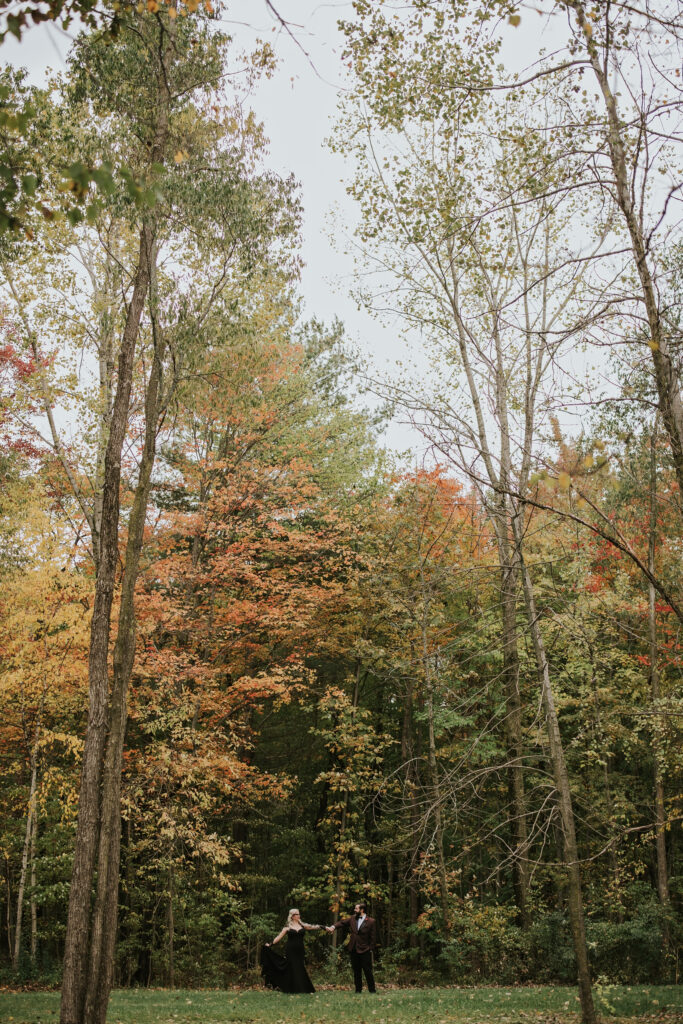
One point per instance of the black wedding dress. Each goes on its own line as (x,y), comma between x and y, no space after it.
(287,973)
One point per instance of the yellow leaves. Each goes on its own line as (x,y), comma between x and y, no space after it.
(564,481)
(73,744)
(653,345)
(514,20)
(588,461)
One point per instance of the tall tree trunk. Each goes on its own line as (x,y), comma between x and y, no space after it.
(103,936)
(666,378)
(88,956)
(660,812)
(77,942)
(561,778)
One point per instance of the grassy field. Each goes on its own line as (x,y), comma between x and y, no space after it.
(554,1005)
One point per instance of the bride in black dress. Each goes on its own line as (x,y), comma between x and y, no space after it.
(288,973)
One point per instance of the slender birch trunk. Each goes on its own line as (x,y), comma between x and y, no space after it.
(34,907)
(561,778)
(433,766)
(513,730)
(28,841)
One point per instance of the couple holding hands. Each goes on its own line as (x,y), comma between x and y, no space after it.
(289,974)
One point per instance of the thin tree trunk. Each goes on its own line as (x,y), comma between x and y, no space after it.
(171,928)
(389,911)
(561,777)
(129,889)
(615,914)
(9,908)
(16,951)
(513,729)
(433,768)
(660,812)
(342,826)
(337,887)
(408,759)
(34,908)
(438,820)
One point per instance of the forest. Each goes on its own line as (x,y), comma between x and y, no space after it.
(253,658)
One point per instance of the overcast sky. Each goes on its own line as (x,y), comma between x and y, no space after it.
(298,108)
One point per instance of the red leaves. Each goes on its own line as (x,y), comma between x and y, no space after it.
(16,372)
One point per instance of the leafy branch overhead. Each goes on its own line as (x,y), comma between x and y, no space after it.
(35,184)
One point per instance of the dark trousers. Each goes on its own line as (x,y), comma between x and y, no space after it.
(362,965)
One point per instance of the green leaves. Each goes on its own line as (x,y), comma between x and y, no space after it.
(21,18)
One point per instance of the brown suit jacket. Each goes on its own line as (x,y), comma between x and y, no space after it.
(363,940)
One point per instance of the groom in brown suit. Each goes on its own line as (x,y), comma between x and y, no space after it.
(363,939)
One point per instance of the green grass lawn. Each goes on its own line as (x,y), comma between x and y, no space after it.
(554,1005)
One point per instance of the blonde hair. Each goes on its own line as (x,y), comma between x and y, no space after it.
(290,915)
